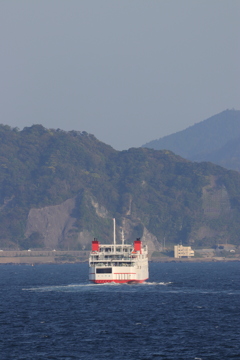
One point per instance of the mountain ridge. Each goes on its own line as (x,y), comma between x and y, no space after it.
(61,189)
(206,140)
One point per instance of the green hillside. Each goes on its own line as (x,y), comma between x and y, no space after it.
(60,189)
(215,139)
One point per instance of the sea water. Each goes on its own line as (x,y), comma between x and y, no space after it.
(184,311)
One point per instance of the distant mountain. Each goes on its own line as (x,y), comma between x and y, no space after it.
(59,190)
(215,139)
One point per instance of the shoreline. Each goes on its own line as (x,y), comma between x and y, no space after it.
(196,260)
(37,260)
(35,257)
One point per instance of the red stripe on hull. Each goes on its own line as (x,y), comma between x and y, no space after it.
(117,281)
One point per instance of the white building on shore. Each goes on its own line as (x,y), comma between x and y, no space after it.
(183,251)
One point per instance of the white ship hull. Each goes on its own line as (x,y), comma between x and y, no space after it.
(119,274)
(119,263)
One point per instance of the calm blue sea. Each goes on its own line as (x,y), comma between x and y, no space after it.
(185,311)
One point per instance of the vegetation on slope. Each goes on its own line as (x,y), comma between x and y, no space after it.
(171,197)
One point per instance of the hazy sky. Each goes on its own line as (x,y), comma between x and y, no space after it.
(127,71)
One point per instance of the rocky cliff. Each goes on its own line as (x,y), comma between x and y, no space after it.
(59,190)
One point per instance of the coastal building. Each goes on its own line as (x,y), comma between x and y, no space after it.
(183,251)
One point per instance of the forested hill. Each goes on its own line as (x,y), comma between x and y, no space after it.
(216,139)
(60,189)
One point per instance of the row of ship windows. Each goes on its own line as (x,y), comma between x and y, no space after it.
(119,276)
(107,271)
(104,271)
(116,250)
(112,264)
(117,257)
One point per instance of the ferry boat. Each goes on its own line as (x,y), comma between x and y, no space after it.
(118,263)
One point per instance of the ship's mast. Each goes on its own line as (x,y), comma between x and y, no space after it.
(114,234)
(122,238)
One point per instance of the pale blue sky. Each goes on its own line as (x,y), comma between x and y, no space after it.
(127,71)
